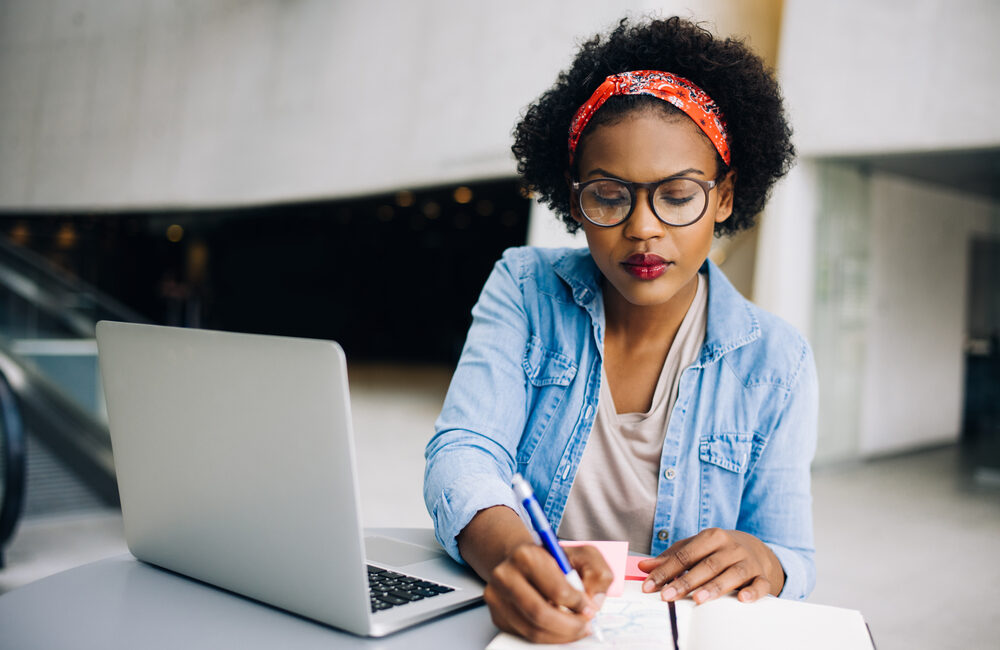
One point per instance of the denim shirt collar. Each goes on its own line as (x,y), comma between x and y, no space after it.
(577,269)
(731,322)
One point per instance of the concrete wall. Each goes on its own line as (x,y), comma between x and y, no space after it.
(156,103)
(913,389)
(891,75)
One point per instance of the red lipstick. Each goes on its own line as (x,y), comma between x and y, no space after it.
(645,266)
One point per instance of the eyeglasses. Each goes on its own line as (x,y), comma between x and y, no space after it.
(678,201)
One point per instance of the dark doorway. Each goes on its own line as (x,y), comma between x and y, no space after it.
(981,430)
(391,277)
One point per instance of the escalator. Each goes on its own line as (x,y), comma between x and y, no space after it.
(55,450)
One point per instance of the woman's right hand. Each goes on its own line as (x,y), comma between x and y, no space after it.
(526,592)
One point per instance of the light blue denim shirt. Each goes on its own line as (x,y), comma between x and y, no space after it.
(523,398)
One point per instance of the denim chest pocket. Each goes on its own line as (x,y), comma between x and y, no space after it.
(725,461)
(547,367)
(549,374)
(730,451)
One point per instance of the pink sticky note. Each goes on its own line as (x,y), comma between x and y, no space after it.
(632,570)
(616,555)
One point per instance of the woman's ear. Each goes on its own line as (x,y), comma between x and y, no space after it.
(574,210)
(726,189)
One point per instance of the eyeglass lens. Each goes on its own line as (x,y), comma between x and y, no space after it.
(678,201)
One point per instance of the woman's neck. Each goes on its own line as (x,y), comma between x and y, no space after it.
(636,324)
(636,343)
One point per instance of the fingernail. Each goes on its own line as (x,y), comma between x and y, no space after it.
(669,593)
(599,600)
(701,596)
(745,596)
(648,586)
(589,612)
(588,629)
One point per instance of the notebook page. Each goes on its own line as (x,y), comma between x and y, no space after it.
(635,620)
(775,624)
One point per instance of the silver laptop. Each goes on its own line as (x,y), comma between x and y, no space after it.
(235,463)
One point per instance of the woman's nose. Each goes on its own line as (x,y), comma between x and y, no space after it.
(643,224)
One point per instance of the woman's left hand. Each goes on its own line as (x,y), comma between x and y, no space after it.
(713,563)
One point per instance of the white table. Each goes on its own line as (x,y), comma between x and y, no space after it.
(124,603)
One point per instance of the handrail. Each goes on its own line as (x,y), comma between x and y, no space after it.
(71,432)
(12,443)
(52,305)
(37,264)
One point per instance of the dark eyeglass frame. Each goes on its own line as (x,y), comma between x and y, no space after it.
(650,188)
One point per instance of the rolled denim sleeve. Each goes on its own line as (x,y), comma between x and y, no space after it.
(471,457)
(777,503)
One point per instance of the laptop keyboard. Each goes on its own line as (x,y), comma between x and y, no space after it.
(388,588)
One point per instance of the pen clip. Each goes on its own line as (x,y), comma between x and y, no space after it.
(523,514)
(522,511)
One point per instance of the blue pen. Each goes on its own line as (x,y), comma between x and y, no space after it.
(526,497)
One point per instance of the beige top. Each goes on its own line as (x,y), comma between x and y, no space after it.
(614,493)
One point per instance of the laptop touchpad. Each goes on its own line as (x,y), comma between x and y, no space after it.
(383,550)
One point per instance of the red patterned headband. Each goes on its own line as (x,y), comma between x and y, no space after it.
(670,88)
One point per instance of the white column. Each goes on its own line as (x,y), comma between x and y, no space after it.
(784,272)
(548,230)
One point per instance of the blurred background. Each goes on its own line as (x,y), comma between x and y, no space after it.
(341,169)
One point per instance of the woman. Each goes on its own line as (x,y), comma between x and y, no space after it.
(641,396)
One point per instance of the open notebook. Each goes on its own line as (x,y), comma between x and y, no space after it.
(637,620)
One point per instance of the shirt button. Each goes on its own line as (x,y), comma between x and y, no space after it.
(662,535)
(669,473)
(590,412)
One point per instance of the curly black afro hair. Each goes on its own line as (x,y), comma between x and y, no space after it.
(731,74)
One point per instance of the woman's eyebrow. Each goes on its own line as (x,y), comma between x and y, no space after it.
(603,173)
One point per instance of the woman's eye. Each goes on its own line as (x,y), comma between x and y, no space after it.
(675,199)
(677,192)
(612,199)
(610,195)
